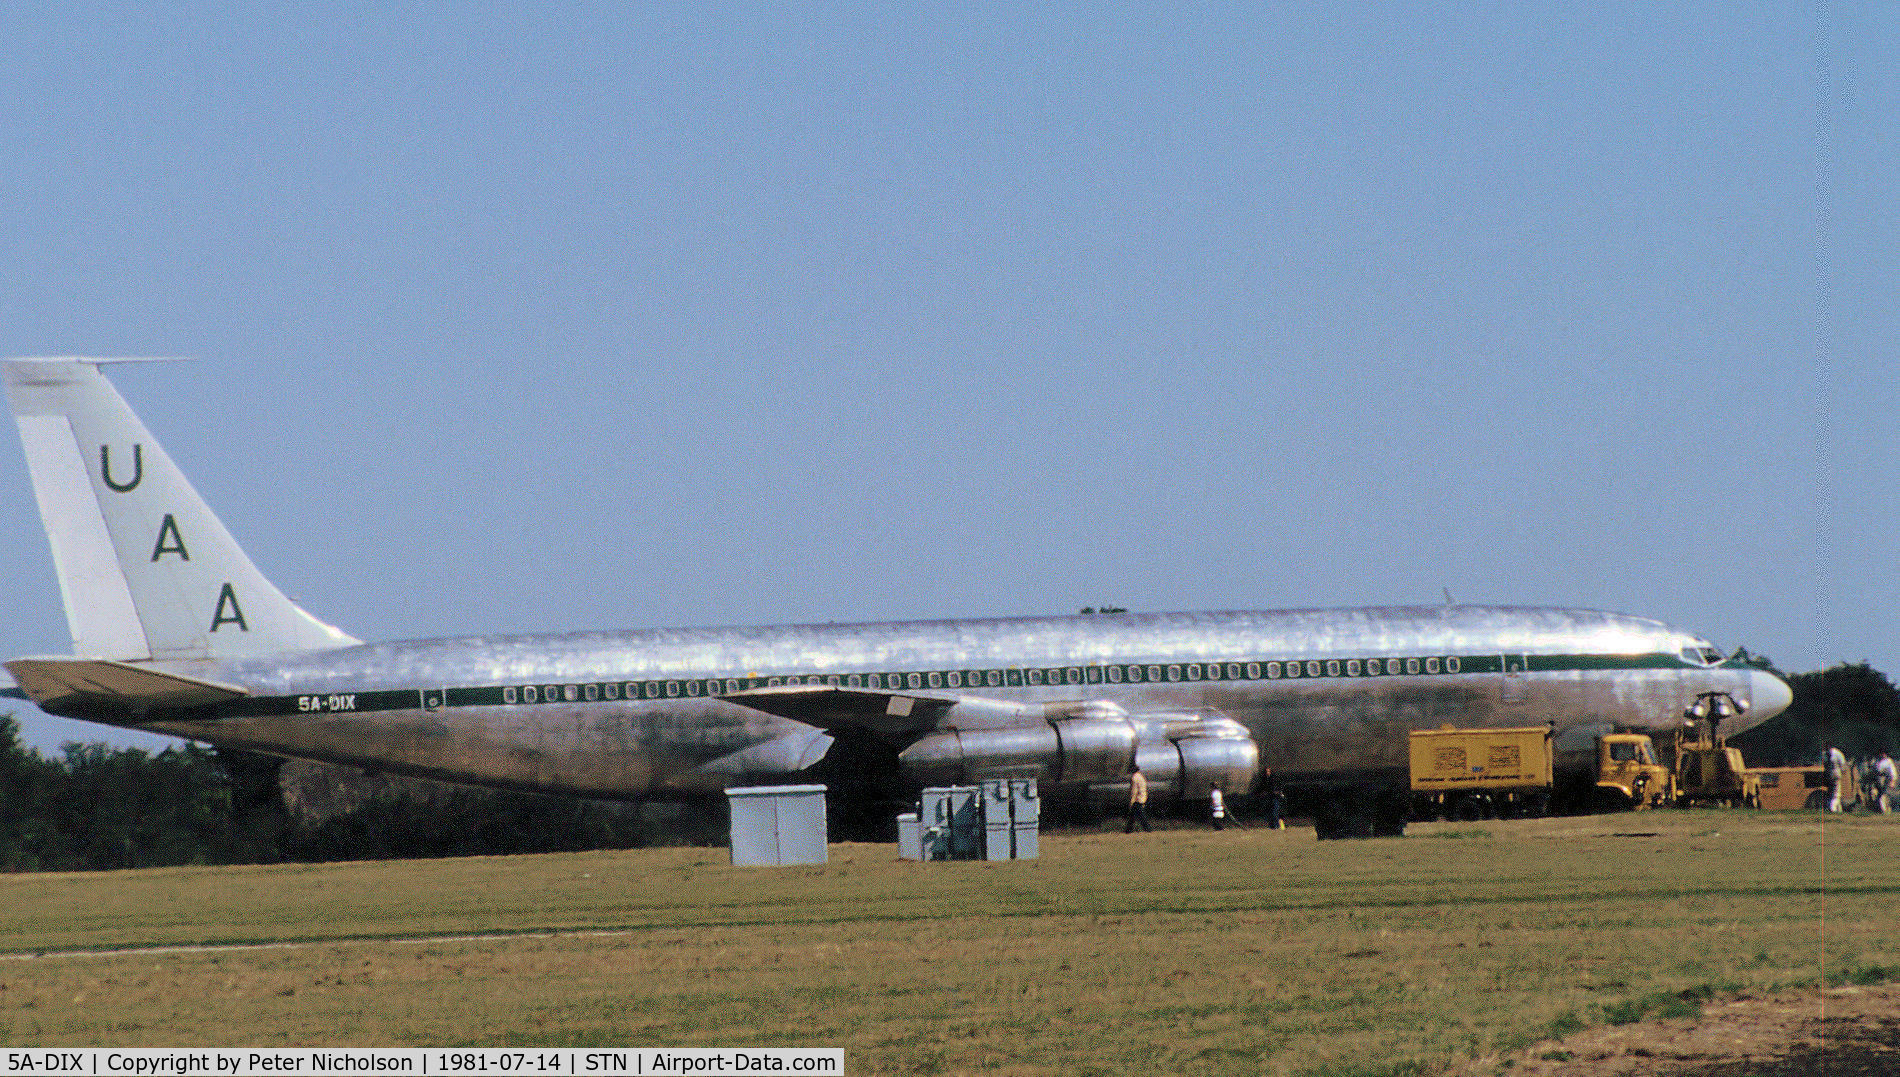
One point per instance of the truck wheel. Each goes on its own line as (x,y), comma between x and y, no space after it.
(1466,811)
(1817,801)
(1536,805)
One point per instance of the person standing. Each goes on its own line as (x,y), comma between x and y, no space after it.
(1889,778)
(1276,801)
(1137,803)
(1219,806)
(1834,764)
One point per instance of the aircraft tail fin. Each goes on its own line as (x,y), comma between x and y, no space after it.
(145,568)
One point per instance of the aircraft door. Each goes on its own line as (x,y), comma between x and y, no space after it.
(1516,669)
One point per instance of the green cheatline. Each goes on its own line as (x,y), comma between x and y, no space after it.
(1116,674)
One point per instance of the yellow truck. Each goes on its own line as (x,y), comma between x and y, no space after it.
(1468,774)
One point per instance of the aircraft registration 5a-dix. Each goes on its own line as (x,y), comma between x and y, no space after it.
(176,632)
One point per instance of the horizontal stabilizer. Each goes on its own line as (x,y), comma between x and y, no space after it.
(60,685)
(891,714)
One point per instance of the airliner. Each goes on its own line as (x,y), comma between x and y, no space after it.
(175,631)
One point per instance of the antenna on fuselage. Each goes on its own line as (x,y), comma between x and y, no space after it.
(1448,599)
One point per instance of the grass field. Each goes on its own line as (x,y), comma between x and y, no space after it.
(1175,952)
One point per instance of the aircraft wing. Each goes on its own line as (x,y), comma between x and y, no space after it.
(58,684)
(891,714)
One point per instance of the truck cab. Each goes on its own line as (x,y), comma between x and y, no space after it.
(1628,775)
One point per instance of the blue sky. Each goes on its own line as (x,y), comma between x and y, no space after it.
(565,317)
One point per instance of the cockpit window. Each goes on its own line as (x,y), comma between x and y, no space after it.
(1702,655)
(1623,752)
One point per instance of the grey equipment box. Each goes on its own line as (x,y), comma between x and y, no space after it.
(910,837)
(1025,814)
(1012,818)
(997,840)
(997,820)
(952,822)
(777,824)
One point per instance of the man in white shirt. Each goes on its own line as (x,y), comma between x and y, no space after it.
(1889,777)
(1834,764)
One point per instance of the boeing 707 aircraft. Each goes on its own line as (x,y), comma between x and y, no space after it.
(175,631)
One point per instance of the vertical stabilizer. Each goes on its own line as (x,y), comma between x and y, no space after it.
(145,568)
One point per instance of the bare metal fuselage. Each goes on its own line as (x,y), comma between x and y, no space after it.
(662,712)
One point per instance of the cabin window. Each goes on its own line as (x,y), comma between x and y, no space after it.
(612,690)
(1233,671)
(1072,675)
(936,680)
(692,688)
(1273,669)
(994,677)
(1114,674)
(593,692)
(1095,674)
(876,680)
(854,681)
(915,680)
(1332,668)
(1431,665)
(1411,665)
(1453,665)
(1352,668)
(1194,671)
(1154,673)
(955,679)
(1174,673)
(510,695)
(672,689)
(1035,676)
(1253,670)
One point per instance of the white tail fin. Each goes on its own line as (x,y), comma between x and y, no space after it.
(145,568)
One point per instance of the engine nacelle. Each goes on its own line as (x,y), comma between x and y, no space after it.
(1229,762)
(1053,751)
(1184,755)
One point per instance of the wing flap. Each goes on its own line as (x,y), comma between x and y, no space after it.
(58,684)
(891,714)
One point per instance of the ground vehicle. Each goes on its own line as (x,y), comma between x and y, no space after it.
(1628,775)
(1708,771)
(1469,774)
(1790,788)
(1505,773)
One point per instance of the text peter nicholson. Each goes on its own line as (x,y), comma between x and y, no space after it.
(462,1062)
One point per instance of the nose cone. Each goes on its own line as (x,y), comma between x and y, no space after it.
(1768,695)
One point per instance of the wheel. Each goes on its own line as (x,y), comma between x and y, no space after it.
(1817,801)
(1536,805)
(1466,810)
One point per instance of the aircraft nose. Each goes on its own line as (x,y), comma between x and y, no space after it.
(1768,694)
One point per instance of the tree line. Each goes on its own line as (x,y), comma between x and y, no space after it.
(93,807)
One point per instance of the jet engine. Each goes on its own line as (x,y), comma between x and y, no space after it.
(1053,751)
(1184,755)
(1094,744)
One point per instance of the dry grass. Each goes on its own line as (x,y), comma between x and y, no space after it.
(1180,952)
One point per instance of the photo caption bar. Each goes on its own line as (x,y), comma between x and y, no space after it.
(326,1061)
